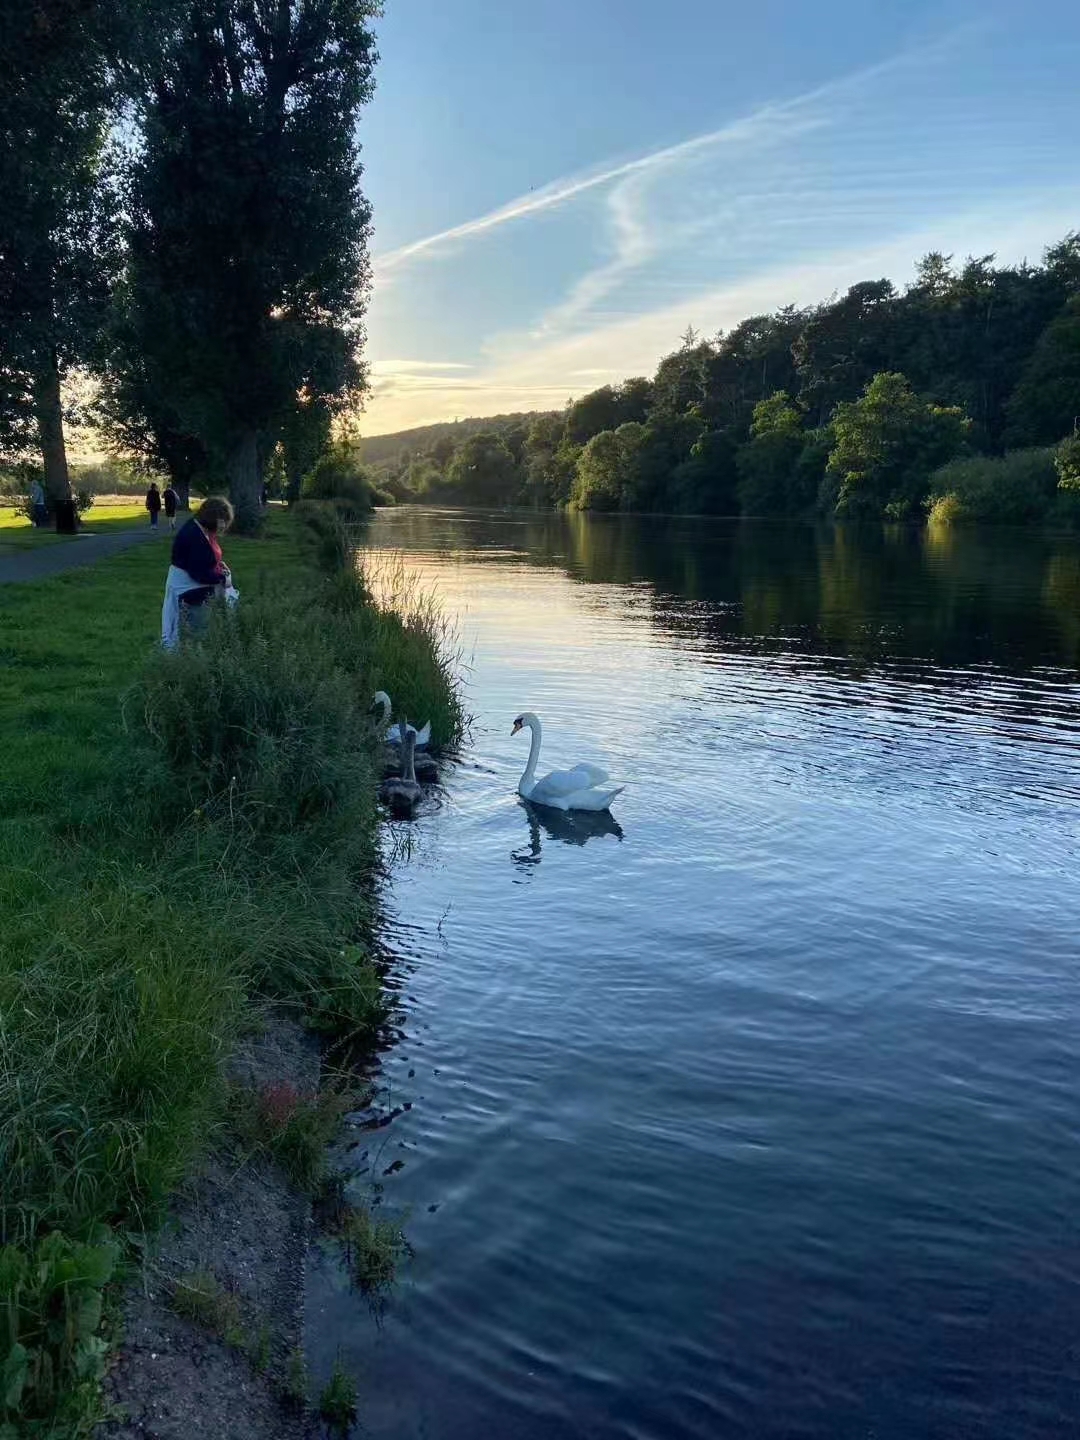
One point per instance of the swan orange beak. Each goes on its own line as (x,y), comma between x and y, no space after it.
(517,727)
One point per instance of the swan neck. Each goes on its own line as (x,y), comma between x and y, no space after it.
(534,748)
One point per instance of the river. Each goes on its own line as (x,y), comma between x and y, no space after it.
(752,1111)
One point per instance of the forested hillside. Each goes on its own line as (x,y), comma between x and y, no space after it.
(954,395)
(400,448)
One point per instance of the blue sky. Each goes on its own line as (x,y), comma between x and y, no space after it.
(561,188)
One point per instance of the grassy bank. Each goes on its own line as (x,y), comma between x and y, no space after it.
(179,834)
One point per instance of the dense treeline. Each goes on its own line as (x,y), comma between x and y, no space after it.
(954,394)
(182,215)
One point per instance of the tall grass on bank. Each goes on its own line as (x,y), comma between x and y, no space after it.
(376,607)
(218,844)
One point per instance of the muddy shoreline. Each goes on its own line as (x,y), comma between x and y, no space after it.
(239,1219)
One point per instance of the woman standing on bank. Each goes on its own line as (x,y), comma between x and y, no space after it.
(197,571)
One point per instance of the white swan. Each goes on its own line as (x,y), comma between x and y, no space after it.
(576,789)
(402,793)
(394,733)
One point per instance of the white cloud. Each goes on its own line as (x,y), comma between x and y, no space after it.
(407,367)
(531,375)
(769,123)
(850,181)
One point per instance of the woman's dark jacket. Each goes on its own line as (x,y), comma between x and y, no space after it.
(192,551)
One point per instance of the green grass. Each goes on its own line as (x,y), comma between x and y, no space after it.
(201,1298)
(292,1128)
(373,1248)
(337,1402)
(179,834)
(123,511)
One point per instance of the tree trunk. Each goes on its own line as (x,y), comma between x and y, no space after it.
(292,484)
(182,485)
(243,472)
(50,423)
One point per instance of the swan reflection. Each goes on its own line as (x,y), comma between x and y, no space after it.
(572,827)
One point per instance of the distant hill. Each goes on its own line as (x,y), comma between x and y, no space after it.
(376,449)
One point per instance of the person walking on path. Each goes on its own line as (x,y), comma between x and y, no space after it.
(153,504)
(172,499)
(39,511)
(197,570)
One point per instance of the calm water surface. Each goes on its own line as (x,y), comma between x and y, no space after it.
(756,1112)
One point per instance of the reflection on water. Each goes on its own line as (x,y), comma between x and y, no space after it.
(570,827)
(751,1111)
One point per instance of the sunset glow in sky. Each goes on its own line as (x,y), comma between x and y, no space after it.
(561,190)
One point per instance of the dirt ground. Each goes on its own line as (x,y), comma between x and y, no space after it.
(174,1380)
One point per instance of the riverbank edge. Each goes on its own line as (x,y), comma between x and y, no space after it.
(171,1375)
(239,1219)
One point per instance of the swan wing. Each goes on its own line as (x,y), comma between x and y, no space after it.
(561,782)
(395,736)
(593,774)
(589,798)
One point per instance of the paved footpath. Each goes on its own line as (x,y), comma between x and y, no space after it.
(84,549)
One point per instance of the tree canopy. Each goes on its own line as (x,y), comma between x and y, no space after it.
(247,264)
(182,213)
(847,408)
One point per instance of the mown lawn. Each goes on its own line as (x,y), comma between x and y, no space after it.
(69,648)
(18,535)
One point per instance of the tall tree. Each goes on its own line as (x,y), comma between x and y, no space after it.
(247,247)
(60,62)
(886,445)
(1046,404)
(483,472)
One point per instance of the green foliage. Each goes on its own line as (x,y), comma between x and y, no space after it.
(373,1248)
(338,475)
(247,232)
(1011,489)
(748,420)
(704,483)
(337,1402)
(259,723)
(776,416)
(482,471)
(52,1353)
(886,445)
(602,472)
(295,1382)
(1067,463)
(57,227)
(294,1129)
(201,1298)
(137,921)
(1046,403)
(766,467)
(607,409)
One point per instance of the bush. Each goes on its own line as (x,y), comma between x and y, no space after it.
(52,1354)
(113,477)
(260,721)
(338,475)
(1007,489)
(1067,463)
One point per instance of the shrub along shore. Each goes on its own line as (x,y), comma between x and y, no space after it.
(183,839)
